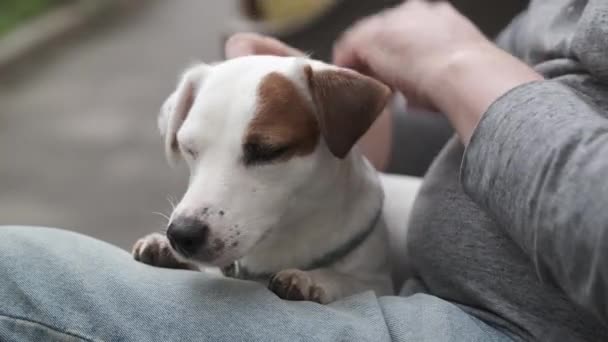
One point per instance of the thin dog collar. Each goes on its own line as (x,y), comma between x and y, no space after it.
(238,271)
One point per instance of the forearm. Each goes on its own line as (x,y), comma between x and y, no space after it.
(470,81)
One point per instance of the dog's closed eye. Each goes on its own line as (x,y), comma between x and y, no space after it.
(190,152)
(259,153)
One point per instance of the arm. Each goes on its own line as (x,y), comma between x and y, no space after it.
(539,163)
(538,160)
(472,80)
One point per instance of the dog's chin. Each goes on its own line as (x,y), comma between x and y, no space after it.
(220,262)
(205,260)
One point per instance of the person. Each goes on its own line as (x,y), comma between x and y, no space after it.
(508,237)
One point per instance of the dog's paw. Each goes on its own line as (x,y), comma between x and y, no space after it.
(294,284)
(155,250)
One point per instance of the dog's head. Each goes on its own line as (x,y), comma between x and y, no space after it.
(256,132)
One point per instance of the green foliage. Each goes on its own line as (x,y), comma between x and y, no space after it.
(13,12)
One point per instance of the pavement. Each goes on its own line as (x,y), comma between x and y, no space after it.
(79,147)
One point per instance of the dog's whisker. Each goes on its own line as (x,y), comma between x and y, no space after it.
(162,215)
(171,201)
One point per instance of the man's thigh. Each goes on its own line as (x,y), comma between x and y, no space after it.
(61,286)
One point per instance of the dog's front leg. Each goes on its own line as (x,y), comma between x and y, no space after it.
(155,250)
(324,285)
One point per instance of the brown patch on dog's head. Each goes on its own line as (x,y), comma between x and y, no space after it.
(284,124)
(344,105)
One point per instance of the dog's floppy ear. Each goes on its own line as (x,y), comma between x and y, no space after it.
(347,103)
(176,108)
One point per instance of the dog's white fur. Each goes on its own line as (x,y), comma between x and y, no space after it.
(278,216)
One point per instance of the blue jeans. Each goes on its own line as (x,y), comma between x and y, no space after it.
(61,286)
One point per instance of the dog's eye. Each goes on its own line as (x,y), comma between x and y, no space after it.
(256,153)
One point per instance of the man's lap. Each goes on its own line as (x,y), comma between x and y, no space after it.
(58,285)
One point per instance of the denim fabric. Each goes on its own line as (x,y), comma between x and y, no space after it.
(61,286)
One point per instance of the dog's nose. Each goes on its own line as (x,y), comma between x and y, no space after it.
(187,235)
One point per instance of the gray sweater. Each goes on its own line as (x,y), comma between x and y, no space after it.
(515,228)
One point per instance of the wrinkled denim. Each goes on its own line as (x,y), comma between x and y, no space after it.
(57,285)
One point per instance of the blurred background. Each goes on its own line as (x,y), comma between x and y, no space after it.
(81,82)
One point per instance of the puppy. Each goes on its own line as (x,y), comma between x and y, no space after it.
(276,194)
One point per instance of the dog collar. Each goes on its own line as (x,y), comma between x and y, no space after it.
(238,271)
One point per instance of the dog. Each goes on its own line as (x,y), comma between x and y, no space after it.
(277,191)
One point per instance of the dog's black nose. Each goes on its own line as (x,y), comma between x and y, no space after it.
(187,235)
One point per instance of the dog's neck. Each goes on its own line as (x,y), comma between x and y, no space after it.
(342,203)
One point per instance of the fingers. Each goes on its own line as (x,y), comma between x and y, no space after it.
(355,48)
(345,54)
(245,44)
(346,51)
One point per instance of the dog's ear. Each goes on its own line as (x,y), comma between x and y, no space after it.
(347,103)
(176,108)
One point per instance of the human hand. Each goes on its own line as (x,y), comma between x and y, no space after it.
(436,57)
(410,46)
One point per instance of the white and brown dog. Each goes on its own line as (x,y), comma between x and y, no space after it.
(275,192)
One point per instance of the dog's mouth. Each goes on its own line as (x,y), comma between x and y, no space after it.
(218,252)
(214,255)
(180,251)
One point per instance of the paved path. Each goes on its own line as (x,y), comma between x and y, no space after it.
(79,147)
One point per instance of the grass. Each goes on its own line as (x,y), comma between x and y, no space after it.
(14,12)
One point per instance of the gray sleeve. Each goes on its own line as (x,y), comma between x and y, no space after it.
(538,162)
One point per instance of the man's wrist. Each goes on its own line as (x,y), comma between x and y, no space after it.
(471,80)
(458,67)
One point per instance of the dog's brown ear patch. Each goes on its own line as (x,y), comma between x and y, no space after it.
(347,103)
(284,119)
